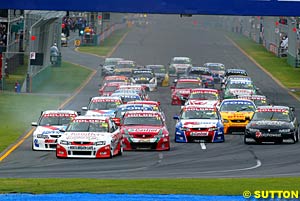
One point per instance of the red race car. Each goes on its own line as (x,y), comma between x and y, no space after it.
(116,78)
(182,89)
(109,88)
(203,96)
(145,130)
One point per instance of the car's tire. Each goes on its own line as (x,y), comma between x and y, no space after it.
(295,138)
(245,140)
(121,149)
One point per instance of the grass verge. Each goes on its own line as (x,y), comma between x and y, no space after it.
(64,79)
(106,47)
(278,67)
(149,186)
(17,111)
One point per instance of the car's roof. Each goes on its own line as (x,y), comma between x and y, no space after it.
(200,68)
(90,117)
(155,66)
(254,96)
(113,59)
(145,102)
(188,80)
(105,98)
(273,107)
(235,70)
(214,64)
(59,112)
(237,100)
(112,77)
(204,90)
(143,112)
(126,62)
(181,58)
(199,107)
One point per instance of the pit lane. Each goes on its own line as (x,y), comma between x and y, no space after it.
(156,43)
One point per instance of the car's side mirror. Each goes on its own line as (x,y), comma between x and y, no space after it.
(176,117)
(78,112)
(172,87)
(34,123)
(117,121)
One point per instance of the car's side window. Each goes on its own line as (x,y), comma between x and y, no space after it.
(292,116)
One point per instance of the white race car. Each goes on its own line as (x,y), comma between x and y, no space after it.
(90,137)
(48,128)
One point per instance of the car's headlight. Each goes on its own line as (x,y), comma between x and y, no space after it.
(213,129)
(225,121)
(64,142)
(152,81)
(100,143)
(286,130)
(253,130)
(42,136)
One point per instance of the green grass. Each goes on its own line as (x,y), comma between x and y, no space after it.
(106,47)
(148,186)
(67,78)
(278,67)
(17,111)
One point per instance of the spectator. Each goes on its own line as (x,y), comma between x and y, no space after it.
(54,53)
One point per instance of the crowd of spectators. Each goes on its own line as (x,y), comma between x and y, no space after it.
(3,37)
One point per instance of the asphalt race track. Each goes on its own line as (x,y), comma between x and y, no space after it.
(156,43)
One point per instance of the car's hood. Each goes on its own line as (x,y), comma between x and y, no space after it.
(49,129)
(199,123)
(269,124)
(86,136)
(108,113)
(211,103)
(236,115)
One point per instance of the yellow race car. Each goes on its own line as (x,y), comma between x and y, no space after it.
(236,114)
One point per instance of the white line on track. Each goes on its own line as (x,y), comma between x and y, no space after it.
(202,144)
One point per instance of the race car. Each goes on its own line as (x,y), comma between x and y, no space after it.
(161,74)
(234,88)
(259,100)
(234,71)
(272,124)
(116,79)
(138,87)
(198,123)
(122,109)
(109,88)
(154,104)
(203,96)
(48,128)
(126,97)
(182,89)
(179,65)
(204,74)
(109,65)
(144,130)
(236,114)
(90,137)
(125,64)
(103,106)
(144,77)
(217,69)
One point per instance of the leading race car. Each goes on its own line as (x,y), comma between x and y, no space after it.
(236,114)
(48,128)
(144,130)
(198,123)
(272,124)
(90,137)
(179,65)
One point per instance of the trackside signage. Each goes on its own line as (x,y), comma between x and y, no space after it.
(216,7)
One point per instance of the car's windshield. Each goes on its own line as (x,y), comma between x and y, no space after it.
(121,111)
(188,85)
(158,69)
(204,96)
(199,114)
(53,120)
(239,85)
(110,62)
(88,126)
(110,88)
(155,121)
(237,106)
(126,65)
(145,74)
(218,68)
(271,116)
(181,61)
(97,105)
(199,72)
